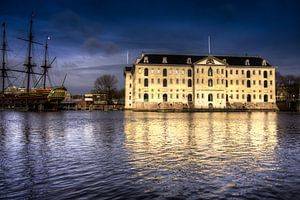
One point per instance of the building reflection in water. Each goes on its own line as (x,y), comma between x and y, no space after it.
(213,148)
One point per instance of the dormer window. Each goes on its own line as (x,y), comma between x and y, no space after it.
(264,63)
(247,62)
(189,61)
(224,60)
(146,59)
(164,60)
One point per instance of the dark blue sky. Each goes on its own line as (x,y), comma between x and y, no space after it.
(91,37)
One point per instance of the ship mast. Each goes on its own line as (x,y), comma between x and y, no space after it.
(46,66)
(3,67)
(29,65)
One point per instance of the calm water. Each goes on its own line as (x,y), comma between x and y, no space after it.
(118,155)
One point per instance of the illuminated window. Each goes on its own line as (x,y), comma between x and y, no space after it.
(210,82)
(210,72)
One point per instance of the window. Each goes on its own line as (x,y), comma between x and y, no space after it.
(197,70)
(190,97)
(210,82)
(270,82)
(231,71)
(189,61)
(218,96)
(183,81)
(222,71)
(248,74)
(165,83)
(202,96)
(259,82)
(237,82)
(177,81)
(231,82)
(226,83)
(243,72)
(197,80)
(265,74)
(146,97)
(259,72)
(202,71)
(197,95)
(237,96)
(190,83)
(265,84)
(130,85)
(189,73)
(210,71)
(158,81)
(146,60)
(139,81)
(248,84)
(145,82)
(243,82)
(218,81)
(146,72)
(253,72)
(237,72)
(171,81)
(253,82)
(247,62)
(270,72)
(248,98)
(164,60)
(165,72)
(210,97)
(217,71)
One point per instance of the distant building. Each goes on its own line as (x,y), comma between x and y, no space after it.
(159,81)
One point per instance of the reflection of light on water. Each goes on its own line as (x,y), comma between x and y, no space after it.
(210,146)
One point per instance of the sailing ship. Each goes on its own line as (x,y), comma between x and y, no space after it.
(36,98)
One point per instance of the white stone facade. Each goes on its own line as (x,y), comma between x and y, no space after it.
(178,82)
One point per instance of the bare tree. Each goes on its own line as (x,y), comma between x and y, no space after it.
(106,84)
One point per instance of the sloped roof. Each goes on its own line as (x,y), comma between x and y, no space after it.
(182,59)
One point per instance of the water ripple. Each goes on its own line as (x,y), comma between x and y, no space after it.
(117,155)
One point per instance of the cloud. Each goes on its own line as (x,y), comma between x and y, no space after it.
(94,45)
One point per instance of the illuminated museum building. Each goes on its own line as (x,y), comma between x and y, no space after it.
(159,81)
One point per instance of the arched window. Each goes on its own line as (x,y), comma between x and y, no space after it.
(248,74)
(265,84)
(248,83)
(145,82)
(210,71)
(265,98)
(146,97)
(146,72)
(210,97)
(248,98)
(165,83)
(265,74)
(189,73)
(165,97)
(190,83)
(210,82)
(190,97)
(165,72)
